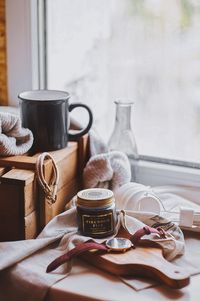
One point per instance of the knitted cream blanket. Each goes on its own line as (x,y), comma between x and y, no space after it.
(14,139)
(105,168)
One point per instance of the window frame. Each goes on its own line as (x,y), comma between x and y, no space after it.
(25,38)
(27,65)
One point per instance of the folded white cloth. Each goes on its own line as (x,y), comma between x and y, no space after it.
(105,169)
(14,139)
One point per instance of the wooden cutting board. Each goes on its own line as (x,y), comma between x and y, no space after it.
(142,261)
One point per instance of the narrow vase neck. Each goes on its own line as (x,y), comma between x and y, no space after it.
(123,115)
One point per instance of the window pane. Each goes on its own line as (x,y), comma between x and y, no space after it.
(147,51)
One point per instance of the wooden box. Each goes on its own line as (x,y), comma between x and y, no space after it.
(24,211)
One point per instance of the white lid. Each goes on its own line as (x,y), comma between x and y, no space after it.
(95,194)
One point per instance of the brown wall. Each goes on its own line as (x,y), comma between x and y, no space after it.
(3,73)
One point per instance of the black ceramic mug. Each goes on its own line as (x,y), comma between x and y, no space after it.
(46,114)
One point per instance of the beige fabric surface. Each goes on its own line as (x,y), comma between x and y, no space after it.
(28,280)
(86,283)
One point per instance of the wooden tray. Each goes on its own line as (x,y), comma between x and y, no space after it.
(142,261)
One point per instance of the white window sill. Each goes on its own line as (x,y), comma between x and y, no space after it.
(153,174)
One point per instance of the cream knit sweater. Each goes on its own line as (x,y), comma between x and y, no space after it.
(105,169)
(14,140)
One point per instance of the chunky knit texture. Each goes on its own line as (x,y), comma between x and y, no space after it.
(14,140)
(105,169)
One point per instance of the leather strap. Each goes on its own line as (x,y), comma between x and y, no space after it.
(135,238)
(87,246)
(83,247)
(50,189)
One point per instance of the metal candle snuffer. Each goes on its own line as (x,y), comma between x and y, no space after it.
(96,212)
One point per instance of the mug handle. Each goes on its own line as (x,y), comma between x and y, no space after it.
(87,128)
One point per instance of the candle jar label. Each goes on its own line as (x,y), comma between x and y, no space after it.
(97,224)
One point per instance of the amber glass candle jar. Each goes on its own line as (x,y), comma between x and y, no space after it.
(96,212)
